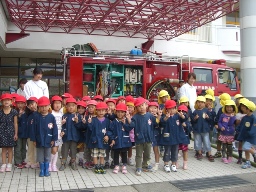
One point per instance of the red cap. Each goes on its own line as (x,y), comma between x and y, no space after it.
(98,97)
(129,100)
(86,98)
(43,101)
(81,103)
(120,97)
(101,105)
(14,95)
(147,101)
(170,104)
(111,100)
(153,104)
(6,96)
(92,102)
(56,98)
(139,101)
(183,108)
(20,98)
(70,100)
(67,95)
(121,107)
(33,99)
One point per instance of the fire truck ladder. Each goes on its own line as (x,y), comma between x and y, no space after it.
(187,58)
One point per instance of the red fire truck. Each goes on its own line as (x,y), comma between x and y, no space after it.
(113,74)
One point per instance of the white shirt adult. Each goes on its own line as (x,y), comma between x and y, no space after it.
(21,92)
(36,87)
(189,91)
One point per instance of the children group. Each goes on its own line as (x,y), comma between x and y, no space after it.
(97,129)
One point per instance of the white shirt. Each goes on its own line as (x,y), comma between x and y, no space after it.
(21,92)
(190,92)
(58,118)
(36,89)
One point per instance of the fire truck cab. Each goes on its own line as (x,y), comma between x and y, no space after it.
(114,74)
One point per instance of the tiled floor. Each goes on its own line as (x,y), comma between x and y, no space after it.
(28,179)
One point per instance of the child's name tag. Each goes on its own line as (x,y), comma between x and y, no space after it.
(166,134)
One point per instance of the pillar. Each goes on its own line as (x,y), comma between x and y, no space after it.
(247,11)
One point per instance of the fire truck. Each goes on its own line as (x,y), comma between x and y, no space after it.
(114,73)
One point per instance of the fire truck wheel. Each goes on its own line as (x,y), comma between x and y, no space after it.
(153,91)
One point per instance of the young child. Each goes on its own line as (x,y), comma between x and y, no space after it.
(187,129)
(119,136)
(120,99)
(185,101)
(65,96)
(44,134)
(71,123)
(31,111)
(86,99)
(200,122)
(56,106)
(144,124)
(8,131)
(98,142)
(247,131)
(153,109)
(173,134)
(131,110)
(21,144)
(226,125)
(98,98)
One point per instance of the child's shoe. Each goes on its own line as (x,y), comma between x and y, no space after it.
(28,165)
(246,165)
(50,167)
(239,161)
(211,158)
(167,168)
(230,159)
(46,169)
(112,165)
(34,166)
(224,160)
(130,162)
(124,169)
(217,154)
(73,165)
(97,169)
(196,154)
(185,165)
(116,169)
(174,168)
(42,169)
(80,162)
(155,168)
(106,165)
(138,172)
(8,167)
(2,169)
(19,166)
(24,163)
(63,165)
(199,157)
(102,170)
(148,168)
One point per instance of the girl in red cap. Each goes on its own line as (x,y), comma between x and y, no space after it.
(8,131)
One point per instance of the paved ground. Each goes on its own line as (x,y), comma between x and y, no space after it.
(86,180)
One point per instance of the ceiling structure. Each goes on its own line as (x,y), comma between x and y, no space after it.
(149,19)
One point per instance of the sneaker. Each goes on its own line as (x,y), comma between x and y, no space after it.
(167,168)
(130,162)
(19,166)
(196,155)
(199,157)
(102,170)
(124,169)
(234,148)
(230,159)
(116,169)
(112,166)
(224,160)
(80,162)
(246,165)
(217,154)
(97,169)
(211,158)
(24,163)
(73,166)
(173,168)
(148,168)
(239,161)
(138,172)
(155,168)
(106,165)
(54,168)
(28,165)
(2,169)
(8,168)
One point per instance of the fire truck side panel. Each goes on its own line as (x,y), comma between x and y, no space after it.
(76,76)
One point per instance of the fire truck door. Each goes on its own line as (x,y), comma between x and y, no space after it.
(227,82)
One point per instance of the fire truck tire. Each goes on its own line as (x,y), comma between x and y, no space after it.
(157,87)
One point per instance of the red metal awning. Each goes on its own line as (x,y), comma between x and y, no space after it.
(159,19)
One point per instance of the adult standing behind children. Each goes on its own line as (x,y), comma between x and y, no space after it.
(189,90)
(22,83)
(36,87)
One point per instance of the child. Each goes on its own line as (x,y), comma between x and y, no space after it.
(227,129)
(247,131)
(119,136)
(81,109)
(86,99)
(56,112)
(153,109)
(185,101)
(173,134)
(8,131)
(91,111)
(65,96)
(98,98)
(71,122)
(31,111)
(44,134)
(131,110)
(187,129)
(120,99)
(21,144)
(99,127)
(200,122)
(144,124)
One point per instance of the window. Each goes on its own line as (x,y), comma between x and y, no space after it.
(203,75)
(233,18)
(227,77)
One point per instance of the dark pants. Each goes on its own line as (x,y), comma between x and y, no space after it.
(171,153)
(68,146)
(20,151)
(123,153)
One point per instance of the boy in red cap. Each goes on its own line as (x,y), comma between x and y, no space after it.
(44,133)
(144,124)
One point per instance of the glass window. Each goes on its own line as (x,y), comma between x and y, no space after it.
(28,62)
(203,75)
(56,86)
(46,62)
(5,61)
(227,77)
(9,71)
(6,83)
